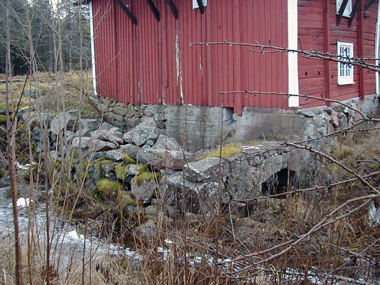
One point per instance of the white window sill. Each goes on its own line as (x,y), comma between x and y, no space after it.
(346,83)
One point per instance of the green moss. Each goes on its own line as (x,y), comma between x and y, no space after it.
(227,151)
(121,171)
(21,126)
(56,163)
(142,168)
(34,146)
(107,189)
(147,176)
(92,169)
(3,107)
(74,153)
(91,165)
(3,119)
(3,173)
(128,159)
(105,162)
(124,199)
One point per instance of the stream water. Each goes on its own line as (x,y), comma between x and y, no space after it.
(68,248)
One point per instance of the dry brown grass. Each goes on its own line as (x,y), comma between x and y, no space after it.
(59,88)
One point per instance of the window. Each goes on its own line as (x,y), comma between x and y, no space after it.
(345,52)
(195,3)
(347,11)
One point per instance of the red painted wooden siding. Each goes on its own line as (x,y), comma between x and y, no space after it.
(152,63)
(311,34)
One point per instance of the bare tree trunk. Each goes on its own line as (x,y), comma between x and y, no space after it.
(11,126)
(30,222)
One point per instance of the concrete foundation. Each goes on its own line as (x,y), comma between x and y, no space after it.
(198,128)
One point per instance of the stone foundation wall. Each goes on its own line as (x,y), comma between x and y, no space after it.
(198,128)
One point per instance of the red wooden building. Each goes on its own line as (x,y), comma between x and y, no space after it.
(143,52)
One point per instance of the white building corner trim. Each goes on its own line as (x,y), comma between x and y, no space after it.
(93,63)
(377,39)
(293,85)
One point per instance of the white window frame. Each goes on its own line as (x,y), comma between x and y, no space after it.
(347,11)
(345,51)
(195,4)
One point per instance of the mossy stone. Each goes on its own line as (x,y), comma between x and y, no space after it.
(121,171)
(147,176)
(105,162)
(141,168)
(128,159)
(124,199)
(106,189)
(93,169)
(21,126)
(3,119)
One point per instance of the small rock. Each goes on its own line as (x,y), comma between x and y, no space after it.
(107,167)
(150,110)
(143,187)
(105,126)
(151,210)
(164,142)
(31,93)
(83,142)
(142,133)
(115,155)
(328,111)
(306,113)
(146,230)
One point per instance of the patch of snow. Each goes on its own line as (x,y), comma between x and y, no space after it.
(21,202)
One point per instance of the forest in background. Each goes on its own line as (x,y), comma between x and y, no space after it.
(55,32)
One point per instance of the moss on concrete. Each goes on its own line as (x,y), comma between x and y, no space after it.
(227,151)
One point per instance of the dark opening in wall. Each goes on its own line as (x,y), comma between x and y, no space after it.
(279,182)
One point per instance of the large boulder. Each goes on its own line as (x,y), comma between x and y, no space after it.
(166,152)
(194,197)
(207,169)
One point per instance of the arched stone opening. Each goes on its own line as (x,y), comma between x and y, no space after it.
(278,182)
